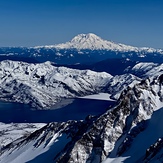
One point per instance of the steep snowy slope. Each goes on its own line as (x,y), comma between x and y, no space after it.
(113,134)
(152,73)
(147,70)
(42,85)
(141,68)
(11,132)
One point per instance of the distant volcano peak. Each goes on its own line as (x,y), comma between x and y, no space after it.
(92,42)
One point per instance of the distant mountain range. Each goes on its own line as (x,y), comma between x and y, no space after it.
(83,48)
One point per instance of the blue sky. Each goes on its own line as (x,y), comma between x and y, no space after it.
(46,22)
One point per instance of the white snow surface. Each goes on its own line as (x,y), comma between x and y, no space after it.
(148,69)
(148,137)
(152,132)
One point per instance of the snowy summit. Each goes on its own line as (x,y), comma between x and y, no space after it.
(92,42)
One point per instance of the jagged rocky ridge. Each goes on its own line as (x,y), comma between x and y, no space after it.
(43,85)
(97,138)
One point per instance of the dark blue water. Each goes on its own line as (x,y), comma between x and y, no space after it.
(77,110)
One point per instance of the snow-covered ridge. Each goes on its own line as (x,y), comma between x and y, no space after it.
(93,42)
(147,69)
(119,83)
(43,85)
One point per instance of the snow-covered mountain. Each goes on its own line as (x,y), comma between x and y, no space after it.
(43,85)
(131,131)
(92,42)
